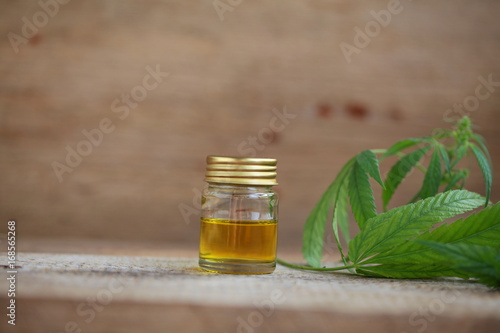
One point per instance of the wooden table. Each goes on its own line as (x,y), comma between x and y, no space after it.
(162,289)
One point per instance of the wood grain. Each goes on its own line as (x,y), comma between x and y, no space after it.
(102,293)
(225,79)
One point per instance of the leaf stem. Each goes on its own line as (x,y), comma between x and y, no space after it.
(309,268)
(381,152)
(378,151)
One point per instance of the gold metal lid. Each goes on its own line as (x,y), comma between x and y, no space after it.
(241,171)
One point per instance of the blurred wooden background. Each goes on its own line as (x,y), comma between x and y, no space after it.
(225,79)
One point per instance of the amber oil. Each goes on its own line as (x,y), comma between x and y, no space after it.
(238,246)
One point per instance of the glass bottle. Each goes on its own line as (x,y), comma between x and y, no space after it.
(239,231)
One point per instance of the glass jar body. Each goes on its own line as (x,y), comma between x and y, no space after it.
(239,231)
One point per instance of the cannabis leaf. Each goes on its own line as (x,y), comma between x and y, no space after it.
(392,228)
(403,144)
(456,177)
(433,176)
(485,166)
(445,157)
(481,142)
(340,213)
(341,218)
(477,261)
(352,183)
(398,243)
(399,171)
(314,229)
(369,162)
(458,155)
(361,195)
(482,228)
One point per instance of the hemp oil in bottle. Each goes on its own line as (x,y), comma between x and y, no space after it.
(239,219)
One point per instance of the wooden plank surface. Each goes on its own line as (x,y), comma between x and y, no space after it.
(113,293)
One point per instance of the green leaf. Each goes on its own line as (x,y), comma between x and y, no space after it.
(433,176)
(485,166)
(341,217)
(403,144)
(482,228)
(369,162)
(398,225)
(314,229)
(460,175)
(340,213)
(481,262)
(482,144)
(361,196)
(396,243)
(399,171)
(458,155)
(445,157)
